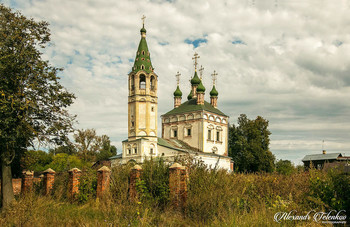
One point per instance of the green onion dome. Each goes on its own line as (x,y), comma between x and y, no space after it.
(143,29)
(214,92)
(177,92)
(195,80)
(189,97)
(200,87)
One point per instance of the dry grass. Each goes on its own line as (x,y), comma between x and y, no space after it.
(215,198)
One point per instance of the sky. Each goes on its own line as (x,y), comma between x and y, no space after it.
(285,60)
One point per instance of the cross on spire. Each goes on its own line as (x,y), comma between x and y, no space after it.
(214,76)
(196,56)
(143,20)
(178,77)
(201,72)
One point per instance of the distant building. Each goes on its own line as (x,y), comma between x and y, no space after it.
(195,127)
(318,161)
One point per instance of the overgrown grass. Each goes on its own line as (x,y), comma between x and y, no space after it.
(215,198)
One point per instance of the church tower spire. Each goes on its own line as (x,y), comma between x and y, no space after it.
(142,104)
(195,81)
(177,92)
(214,93)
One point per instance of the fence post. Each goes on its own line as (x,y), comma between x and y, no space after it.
(178,185)
(135,175)
(103,181)
(27,181)
(74,177)
(49,179)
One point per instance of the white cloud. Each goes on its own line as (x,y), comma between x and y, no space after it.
(292,66)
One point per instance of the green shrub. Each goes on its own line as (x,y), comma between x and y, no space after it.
(87,186)
(154,184)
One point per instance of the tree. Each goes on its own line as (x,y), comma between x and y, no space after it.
(36,160)
(92,147)
(32,101)
(249,145)
(285,167)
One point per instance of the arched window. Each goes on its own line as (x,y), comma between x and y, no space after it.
(153,83)
(142,82)
(132,82)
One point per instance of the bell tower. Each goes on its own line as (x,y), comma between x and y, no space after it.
(142,105)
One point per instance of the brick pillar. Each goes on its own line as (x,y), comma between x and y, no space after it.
(178,185)
(27,181)
(74,176)
(135,175)
(103,180)
(49,179)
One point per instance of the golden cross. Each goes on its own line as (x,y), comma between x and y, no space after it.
(178,77)
(214,77)
(201,72)
(195,61)
(143,19)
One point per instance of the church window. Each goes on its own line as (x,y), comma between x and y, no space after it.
(135,150)
(152,109)
(129,151)
(153,84)
(142,59)
(132,124)
(175,133)
(188,132)
(142,67)
(209,134)
(217,136)
(132,82)
(151,151)
(143,52)
(142,82)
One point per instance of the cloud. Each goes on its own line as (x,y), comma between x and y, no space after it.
(280,59)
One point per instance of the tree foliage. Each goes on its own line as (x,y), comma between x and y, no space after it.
(285,167)
(249,145)
(32,101)
(36,160)
(92,147)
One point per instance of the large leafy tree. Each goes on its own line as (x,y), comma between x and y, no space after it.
(32,101)
(92,147)
(249,145)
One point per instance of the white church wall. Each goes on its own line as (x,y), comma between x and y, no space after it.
(212,161)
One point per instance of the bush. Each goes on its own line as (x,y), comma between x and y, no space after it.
(154,184)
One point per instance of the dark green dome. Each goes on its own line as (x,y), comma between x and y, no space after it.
(214,92)
(200,87)
(195,80)
(190,95)
(143,29)
(177,92)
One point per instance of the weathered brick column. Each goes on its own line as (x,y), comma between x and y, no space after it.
(74,177)
(103,181)
(135,175)
(48,181)
(178,185)
(27,181)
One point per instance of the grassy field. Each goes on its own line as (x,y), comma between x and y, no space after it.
(215,198)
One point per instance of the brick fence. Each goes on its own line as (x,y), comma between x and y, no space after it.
(178,180)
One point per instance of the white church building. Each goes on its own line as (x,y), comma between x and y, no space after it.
(193,128)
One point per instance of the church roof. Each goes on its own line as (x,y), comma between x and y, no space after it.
(191,106)
(177,92)
(214,92)
(195,80)
(143,56)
